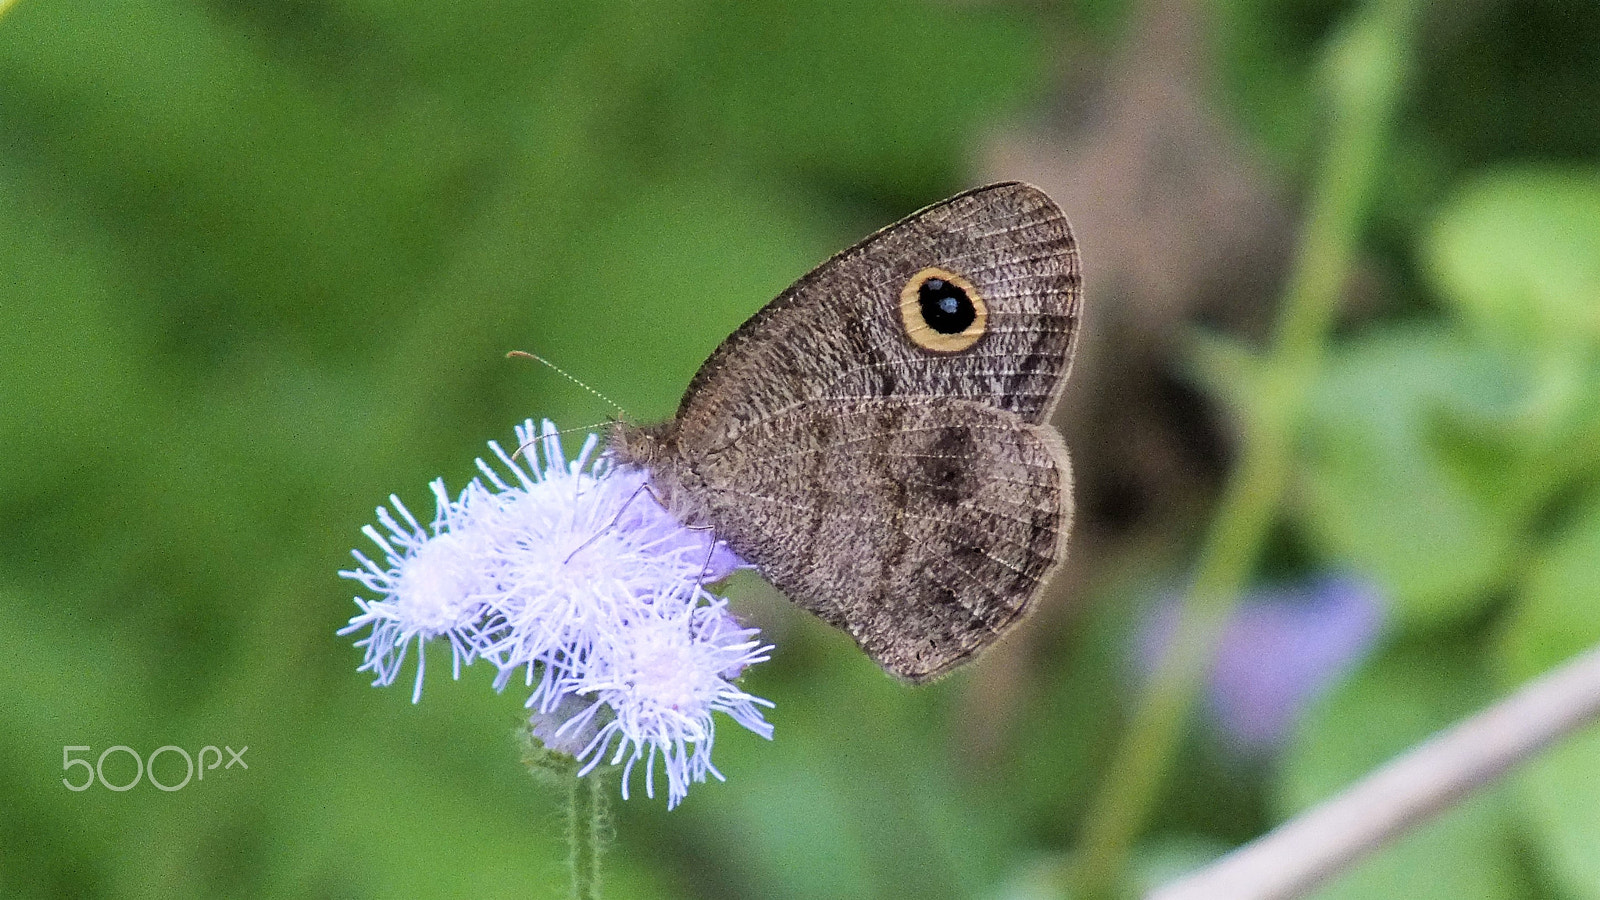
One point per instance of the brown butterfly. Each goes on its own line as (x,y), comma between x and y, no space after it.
(876,441)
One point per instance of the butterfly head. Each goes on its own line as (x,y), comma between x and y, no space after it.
(638,445)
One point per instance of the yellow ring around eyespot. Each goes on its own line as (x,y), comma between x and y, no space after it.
(917,328)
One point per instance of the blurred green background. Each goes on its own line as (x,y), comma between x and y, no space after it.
(260,263)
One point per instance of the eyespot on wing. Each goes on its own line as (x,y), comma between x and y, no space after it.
(941,311)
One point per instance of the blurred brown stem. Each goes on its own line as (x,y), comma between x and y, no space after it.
(1431,777)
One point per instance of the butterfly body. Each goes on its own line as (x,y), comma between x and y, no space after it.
(875,440)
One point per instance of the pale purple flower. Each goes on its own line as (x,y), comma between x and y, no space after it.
(656,685)
(1281,650)
(431,588)
(571,574)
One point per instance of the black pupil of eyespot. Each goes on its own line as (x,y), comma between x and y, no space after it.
(945,307)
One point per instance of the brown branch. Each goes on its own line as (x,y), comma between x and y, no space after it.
(1329,838)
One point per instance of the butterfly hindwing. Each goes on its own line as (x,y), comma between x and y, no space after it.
(923,529)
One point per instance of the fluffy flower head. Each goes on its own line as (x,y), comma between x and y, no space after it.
(570,574)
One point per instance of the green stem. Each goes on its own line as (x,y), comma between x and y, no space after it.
(587,830)
(1369,65)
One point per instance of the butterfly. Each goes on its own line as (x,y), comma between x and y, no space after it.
(876,440)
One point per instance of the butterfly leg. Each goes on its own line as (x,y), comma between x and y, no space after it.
(643,486)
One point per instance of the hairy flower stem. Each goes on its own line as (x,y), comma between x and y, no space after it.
(1367,70)
(588,828)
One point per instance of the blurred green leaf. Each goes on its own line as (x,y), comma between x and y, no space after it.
(859,774)
(1387,490)
(68,682)
(1064,735)
(1226,369)
(1518,255)
(69,353)
(1166,858)
(1557,615)
(1396,701)
(1558,611)
(888,101)
(646,306)
(1267,61)
(1036,879)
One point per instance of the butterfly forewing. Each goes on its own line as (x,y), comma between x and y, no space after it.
(838,334)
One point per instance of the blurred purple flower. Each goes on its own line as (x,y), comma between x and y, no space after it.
(1282,649)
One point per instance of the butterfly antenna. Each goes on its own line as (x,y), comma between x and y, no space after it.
(541,436)
(523,354)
